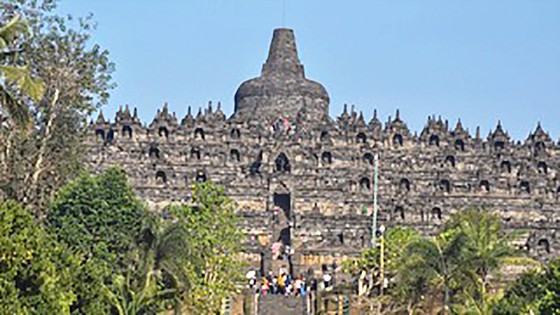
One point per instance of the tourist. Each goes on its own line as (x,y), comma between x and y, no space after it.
(282,283)
(251,276)
(274,285)
(299,286)
(265,286)
(283,270)
(327,279)
(276,246)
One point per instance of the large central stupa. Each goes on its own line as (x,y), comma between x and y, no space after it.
(282,89)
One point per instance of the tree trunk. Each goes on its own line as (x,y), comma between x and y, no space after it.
(446,306)
(38,168)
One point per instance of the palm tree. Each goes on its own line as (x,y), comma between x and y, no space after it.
(433,263)
(156,276)
(13,74)
(487,248)
(470,249)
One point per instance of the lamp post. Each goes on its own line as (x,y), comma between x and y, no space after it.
(382,258)
(374,221)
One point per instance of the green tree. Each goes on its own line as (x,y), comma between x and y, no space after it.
(16,75)
(434,263)
(100,217)
(156,278)
(460,261)
(487,248)
(76,74)
(395,239)
(130,295)
(185,260)
(213,267)
(36,272)
(537,292)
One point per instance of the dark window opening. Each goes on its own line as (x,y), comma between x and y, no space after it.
(326,157)
(404,185)
(163,132)
(160,177)
(542,167)
(235,133)
(368,158)
(525,187)
(484,185)
(324,136)
(365,183)
(399,210)
(154,152)
(200,177)
(100,134)
(361,138)
(445,185)
(506,166)
(110,136)
(195,153)
(398,139)
(341,238)
(450,159)
(199,133)
(282,163)
(459,145)
(543,244)
(126,132)
(434,140)
(255,168)
(540,146)
(234,155)
(436,213)
(499,145)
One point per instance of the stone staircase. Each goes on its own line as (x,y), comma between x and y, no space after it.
(281,305)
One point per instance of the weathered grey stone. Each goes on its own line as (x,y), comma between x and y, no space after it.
(297,174)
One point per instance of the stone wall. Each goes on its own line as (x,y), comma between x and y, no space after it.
(291,167)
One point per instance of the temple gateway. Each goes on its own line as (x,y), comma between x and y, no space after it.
(306,179)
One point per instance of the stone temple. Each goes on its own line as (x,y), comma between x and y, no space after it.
(305,178)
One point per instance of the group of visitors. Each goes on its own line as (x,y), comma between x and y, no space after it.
(282,283)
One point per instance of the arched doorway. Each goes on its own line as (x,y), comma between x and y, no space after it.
(282,226)
(282,201)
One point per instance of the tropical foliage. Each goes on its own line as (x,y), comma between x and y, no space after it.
(14,73)
(453,272)
(214,241)
(537,292)
(36,271)
(100,251)
(99,216)
(52,79)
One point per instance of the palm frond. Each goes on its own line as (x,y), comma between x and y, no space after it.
(14,28)
(22,78)
(17,112)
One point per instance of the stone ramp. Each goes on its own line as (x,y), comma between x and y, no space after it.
(274,304)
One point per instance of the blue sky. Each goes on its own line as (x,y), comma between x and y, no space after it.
(478,60)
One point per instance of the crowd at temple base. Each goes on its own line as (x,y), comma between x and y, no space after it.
(283,283)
